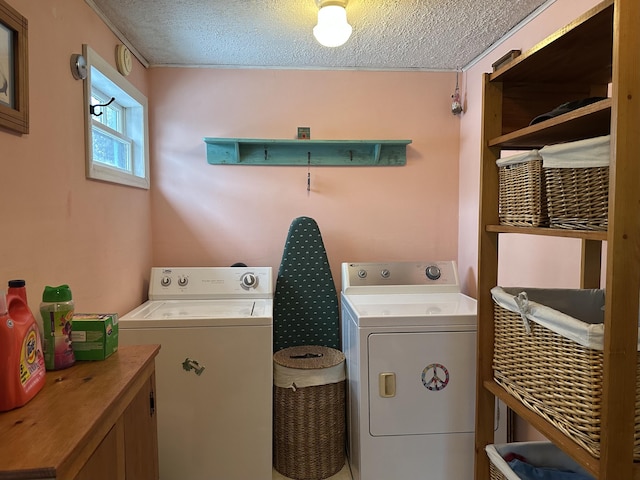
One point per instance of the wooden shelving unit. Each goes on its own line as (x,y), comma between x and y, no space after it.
(581,60)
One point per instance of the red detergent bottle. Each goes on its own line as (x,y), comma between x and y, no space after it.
(23,372)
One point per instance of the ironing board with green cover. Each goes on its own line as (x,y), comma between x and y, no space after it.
(305,303)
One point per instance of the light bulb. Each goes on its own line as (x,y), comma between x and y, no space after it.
(332,29)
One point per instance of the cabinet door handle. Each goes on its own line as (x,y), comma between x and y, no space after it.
(152,404)
(387,384)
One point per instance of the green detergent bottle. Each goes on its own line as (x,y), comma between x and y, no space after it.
(57,309)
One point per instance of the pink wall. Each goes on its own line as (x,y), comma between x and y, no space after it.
(524,260)
(217,215)
(97,237)
(58,226)
(531,261)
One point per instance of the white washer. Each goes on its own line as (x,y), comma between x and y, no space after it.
(214,370)
(409,337)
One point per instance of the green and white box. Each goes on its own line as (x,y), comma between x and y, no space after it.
(94,336)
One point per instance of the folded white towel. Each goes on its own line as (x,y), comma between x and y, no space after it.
(592,152)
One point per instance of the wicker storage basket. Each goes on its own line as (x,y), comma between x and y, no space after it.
(555,369)
(495,473)
(309,412)
(536,454)
(577,184)
(522,198)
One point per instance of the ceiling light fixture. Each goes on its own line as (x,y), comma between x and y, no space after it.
(332,29)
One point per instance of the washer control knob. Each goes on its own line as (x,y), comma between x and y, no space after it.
(165,281)
(362,274)
(182,281)
(249,281)
(384,273)
(433,272)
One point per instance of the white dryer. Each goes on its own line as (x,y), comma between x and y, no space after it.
(409,337)
(214,369)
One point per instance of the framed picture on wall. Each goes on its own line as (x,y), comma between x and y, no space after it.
(14,77)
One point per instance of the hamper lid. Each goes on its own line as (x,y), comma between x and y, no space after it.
(308,357)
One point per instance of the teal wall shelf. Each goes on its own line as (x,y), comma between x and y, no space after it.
(250,151)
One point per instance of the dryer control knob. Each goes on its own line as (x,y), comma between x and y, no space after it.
(433,272)
(248,281)
(182,281)
(385,273)
(362,274)
(165,281)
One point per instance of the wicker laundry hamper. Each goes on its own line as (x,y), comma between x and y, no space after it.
(309,412)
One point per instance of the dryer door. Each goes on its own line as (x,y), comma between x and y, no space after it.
(422,382)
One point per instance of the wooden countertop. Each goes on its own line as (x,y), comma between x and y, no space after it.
(57,431)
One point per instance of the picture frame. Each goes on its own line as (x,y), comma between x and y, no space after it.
(14,75)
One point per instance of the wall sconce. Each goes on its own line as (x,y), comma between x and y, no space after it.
(332,29)
(456,102)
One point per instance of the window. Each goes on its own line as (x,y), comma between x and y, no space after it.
(116,126)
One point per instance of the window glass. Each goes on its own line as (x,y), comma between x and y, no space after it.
(111,150)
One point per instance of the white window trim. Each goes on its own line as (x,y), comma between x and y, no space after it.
(97,171)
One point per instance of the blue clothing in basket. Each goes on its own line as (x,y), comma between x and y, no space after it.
(529,472)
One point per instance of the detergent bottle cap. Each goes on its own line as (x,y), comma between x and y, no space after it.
(61,293)
(17,283)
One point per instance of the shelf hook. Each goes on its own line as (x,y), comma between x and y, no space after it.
(308,172)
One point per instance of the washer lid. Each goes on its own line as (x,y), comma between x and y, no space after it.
(412,309)
(199,313)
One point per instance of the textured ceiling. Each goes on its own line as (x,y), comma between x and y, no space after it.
(387,34)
